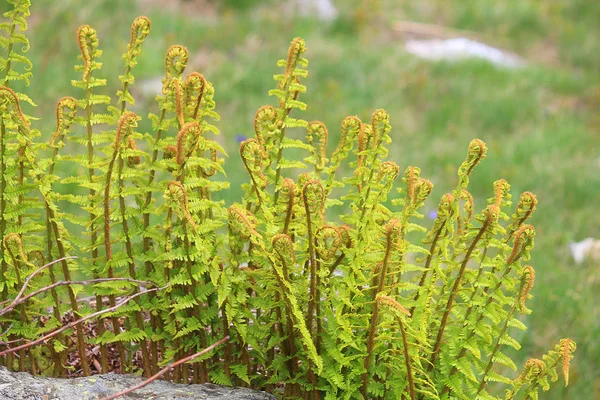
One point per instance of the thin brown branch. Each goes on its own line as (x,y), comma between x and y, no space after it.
(18,300)
(79,321)
(30,277)
(166,369)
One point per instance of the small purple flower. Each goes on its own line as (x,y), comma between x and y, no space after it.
(432,214)
(240,138)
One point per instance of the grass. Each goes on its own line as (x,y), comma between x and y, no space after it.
(540,122)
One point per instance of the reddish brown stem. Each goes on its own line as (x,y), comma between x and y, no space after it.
(166,369)
(78,322)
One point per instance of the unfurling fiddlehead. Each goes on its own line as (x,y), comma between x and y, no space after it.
(175,62)
(316,136)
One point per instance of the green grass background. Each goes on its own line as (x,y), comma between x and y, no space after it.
(541,122)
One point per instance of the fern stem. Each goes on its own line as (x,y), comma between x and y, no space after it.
(108,251)
(8,51)
(471,331)
(312,301)
(56,309)
(22,311)
(532,385)
(227,349)
(3,202)
(73,300)
(476,280)
(193,288)
(147,241)
(139,319)
(409,373)
(167,278)
(497,346)
(449,304)
(375,315)
(281,123)
(58,358)
(4,265)
(432,250)
(291,343)
(93,217)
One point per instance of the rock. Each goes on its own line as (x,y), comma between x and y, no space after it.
(460,49)
(323,10)
(588,248)
(23,386)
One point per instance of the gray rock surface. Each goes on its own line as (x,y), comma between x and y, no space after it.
(23,386)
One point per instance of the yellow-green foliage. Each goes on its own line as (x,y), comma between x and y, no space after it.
(328,286)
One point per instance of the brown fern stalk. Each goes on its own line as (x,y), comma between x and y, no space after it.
(313,302)
(65,104)
(155,322)
(3,201)
(391,231)
(432,252)
(392,303)
(4,265)
(139,318)
(126,121)
(183,153)
(175,63)
(167,369)
(92,203)
(286,110)
(492,214)
(480,317)
(78,322)
(62,254)
(177,371)
(526,285)
(16,239)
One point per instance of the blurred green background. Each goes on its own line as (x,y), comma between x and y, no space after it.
(540,121)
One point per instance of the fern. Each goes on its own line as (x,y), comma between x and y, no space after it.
(370,304)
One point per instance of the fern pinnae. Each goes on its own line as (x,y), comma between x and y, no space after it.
(560,354)
(65,113)
(140,28)
(287,92)
(501,188)
(284,248)
(491,215)
(288,189)
(14,127)
(526,285)
(527,281)
(179,195)
(477,151)
(88,43)
(14,240)
(532,369)
(16,37)
(314,200)
(252,157)
(445,211)
(316,137)
(348,133)
(313,197)
(392,237)
(139,318)
(175,63)
(525,207)
(392,303)
(126,123)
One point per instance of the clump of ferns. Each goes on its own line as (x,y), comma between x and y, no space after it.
(370,304)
